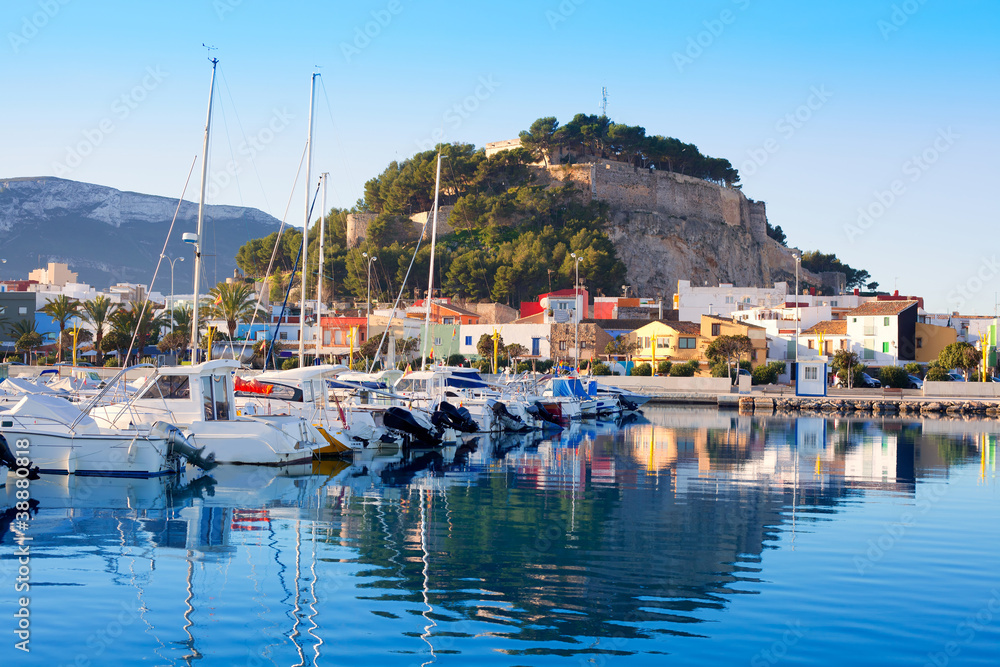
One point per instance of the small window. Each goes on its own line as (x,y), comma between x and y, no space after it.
(283,335)
(448,320)
(437,341)
(716,329)
(562,345)
(920,342)
(854,320)
(22,310)
(810,373)
(885,347)
(833,303)
(811,343)
(468,340)
(729,299)
(338,337)
(687,343)
(885,322)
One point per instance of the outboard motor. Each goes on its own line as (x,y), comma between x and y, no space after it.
(448,416)
(538,411)
(627,404)
(401,420)
(8,459)
(181,446)
(508,421)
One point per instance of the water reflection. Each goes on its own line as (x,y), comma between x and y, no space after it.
(605,539)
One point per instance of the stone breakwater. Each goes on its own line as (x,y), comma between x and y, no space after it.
(755,404)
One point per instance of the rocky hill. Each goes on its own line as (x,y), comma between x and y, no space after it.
(667,227)
(109,236)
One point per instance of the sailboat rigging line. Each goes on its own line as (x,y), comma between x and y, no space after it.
(399,297)
(163,251)
(274,252)
(284,304)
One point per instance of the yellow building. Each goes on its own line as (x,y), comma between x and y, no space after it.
(713,326)
(674,341)
(930,340)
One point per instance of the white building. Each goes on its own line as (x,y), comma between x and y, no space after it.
(534,337)
(883,333)
(724,300)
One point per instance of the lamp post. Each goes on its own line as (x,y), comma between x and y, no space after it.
(368,304)
(798,261)
(171,306)
(576,298)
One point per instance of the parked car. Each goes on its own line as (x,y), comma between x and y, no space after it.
(870,382)
(915,382)
(956,377)
(738,373)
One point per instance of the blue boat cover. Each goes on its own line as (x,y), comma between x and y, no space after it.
(568,387)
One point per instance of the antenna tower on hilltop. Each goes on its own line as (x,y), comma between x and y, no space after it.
(604,101)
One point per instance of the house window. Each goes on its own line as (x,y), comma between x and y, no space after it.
(716,329)
(869,326)
(810,373)
(468,340)
(22,310)
(810,343)
(326,337)
(437,341)
(843,343)
(885,322)
(826,347)
(854,320)
(833,303)
(338,337)
(687,344)
(648,344)
(448,320)
(729,299)
(790,350)
(885,347)
(535,346)
(869,351)
(920,342)
(562,345)
(663,342)
(283,335)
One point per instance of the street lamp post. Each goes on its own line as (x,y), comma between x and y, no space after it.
(171,302)
(576,298)
(368,304)
(798,261)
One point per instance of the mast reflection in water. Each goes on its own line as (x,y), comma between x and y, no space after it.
(689,535)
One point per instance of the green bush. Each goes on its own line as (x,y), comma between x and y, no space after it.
(894,376)
(937,373)
(544,366)
(601,368)
(764,374)
(642,369)
(778,366)
(290,363)
(684,370)
(111,363)
(455,360)
(523,367)
(483,366)
(719,369)
(913,368)
(663,368)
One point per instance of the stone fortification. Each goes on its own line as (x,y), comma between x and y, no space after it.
(668,226)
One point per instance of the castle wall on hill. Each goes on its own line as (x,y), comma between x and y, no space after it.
(631,188)
(357,228)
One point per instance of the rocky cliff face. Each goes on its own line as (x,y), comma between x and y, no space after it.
(667,227)
(110,236)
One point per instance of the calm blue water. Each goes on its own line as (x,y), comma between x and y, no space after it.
(694,537)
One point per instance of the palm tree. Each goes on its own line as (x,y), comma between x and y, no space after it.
(182,318)
(97,313)
(137,319)
(61,309)
(22,327)
(233,302)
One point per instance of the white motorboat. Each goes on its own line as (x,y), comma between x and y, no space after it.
(199,399)
(58,437)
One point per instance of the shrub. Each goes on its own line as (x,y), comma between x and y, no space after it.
(663,368)
(290,363)
(778,366)
(601,368)
(913,368)
(684,370)
(544,366)
(719,369)
(111,363)
(642,369)
(455,360)
(764,374)
(523,367)
(894,376)
(937,373)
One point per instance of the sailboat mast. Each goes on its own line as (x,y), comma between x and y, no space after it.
(201,219)
(319,271)
(430,278)
(305,226)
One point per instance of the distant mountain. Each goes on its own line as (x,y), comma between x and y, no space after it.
(109,236)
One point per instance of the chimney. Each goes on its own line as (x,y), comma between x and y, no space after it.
(896,293)
(856,291)
(812,291)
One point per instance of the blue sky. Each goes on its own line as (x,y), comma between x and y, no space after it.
(828,109)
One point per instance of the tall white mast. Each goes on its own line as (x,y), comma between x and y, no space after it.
(319,272)
(430,278)
(305,226)
(201,220)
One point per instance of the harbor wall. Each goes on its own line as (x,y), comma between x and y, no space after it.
(962,389)
(645,384)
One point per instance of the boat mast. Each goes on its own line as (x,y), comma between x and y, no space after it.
(201,220)
(305,226)
(319,272)
(430,278)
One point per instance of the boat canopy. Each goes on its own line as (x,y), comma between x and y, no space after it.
(54,409)
(572,387)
